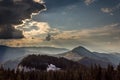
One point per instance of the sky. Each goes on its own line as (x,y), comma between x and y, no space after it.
(94,24)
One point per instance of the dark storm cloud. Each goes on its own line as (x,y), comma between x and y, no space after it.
(13,12)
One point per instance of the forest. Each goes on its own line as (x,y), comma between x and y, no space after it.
(72,71)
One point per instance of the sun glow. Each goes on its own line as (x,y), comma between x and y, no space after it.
(38,1)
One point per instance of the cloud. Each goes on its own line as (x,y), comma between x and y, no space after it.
(111,10)
(24,42)
(106,10)
(104,38)
(37,1)
(8,31)
(88,2)
(36,29)
(110,31)
(13,12)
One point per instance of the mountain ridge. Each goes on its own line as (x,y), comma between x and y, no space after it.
(7,53)
(86,57)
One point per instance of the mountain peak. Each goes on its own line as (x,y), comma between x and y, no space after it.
(80,48)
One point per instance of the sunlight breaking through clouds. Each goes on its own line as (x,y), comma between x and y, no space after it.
(106,36)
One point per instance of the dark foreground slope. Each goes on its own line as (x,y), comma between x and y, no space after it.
(80,73)
(41,62)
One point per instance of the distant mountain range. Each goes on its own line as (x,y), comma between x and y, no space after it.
(8,53)
(79,54)
(88,58)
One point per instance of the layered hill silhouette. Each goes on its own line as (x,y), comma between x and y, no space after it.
(41,62)
(88,58)
(79,54)
(8,53)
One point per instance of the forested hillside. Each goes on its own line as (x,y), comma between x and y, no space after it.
(94,73)
(41,62)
